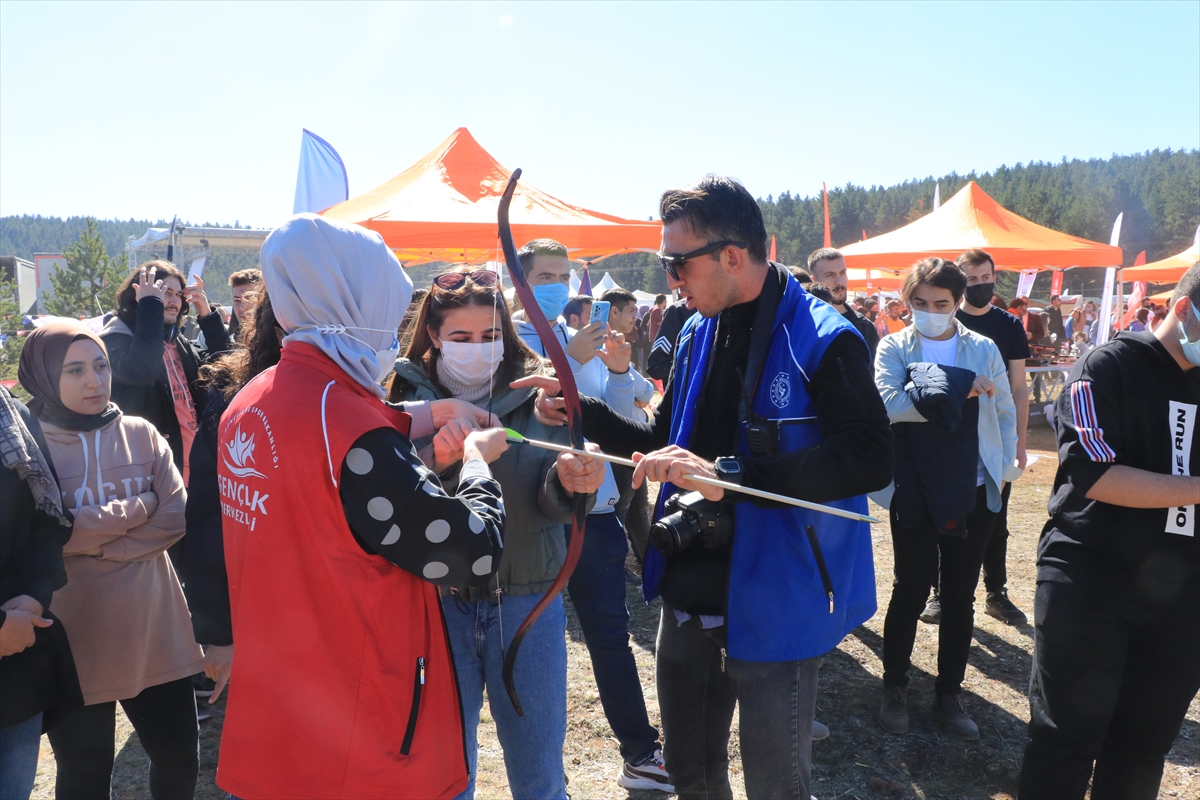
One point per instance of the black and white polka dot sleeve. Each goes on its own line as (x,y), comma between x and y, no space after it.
(397,509)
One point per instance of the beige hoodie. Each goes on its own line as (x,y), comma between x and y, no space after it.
(122,608)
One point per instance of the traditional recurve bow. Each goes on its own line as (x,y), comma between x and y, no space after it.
(558,357)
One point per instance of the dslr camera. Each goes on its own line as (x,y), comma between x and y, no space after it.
(691,519)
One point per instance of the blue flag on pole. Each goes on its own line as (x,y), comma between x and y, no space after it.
(321,181)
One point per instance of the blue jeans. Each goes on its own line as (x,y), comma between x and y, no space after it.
(19,758)
(532,744)
(598,592)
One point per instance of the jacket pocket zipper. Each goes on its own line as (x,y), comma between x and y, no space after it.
(816,546)
(418,684)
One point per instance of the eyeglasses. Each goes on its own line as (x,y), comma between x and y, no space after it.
(452,280)
(671,262)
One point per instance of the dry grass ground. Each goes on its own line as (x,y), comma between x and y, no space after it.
(858,760)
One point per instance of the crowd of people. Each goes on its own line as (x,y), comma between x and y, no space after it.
(316,510)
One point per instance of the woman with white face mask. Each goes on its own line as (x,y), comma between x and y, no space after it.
(955,435)
(464,345)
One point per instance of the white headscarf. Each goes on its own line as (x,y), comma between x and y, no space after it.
(339,288)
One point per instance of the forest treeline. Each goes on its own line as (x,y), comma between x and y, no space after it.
(1158,191)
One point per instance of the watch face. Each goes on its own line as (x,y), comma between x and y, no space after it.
(729,466)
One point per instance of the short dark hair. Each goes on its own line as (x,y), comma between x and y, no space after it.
(1188,285)
(1018,302)
(540,247)
(719,209)
(1054,297)
(820,291)
(619,298)
(823,254)
(975,258)
(246,277)
(935,272)
(127,294)
(574,306)
(800,274)
(660,298)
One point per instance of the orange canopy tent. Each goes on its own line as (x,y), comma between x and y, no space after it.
(443,208)
(1169,270)
(874,280)
(973,219)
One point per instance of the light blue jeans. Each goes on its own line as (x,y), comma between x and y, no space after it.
(19,758)
(532,744)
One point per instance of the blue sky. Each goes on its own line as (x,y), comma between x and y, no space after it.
(148,111)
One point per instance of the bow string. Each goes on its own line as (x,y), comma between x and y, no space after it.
(570,394)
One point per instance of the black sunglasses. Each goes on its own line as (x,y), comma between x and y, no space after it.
(452,280)
(671,262)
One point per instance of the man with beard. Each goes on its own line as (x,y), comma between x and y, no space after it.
(154,367)
(827,266)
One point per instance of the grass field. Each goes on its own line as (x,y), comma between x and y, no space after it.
(858,760)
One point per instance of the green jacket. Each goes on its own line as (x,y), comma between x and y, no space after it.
(535,507)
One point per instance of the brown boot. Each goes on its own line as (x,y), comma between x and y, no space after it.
(948,712)
(893,710)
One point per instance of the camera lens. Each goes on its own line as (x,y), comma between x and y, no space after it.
(673,533)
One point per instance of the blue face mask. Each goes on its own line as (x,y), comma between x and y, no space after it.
(552,299)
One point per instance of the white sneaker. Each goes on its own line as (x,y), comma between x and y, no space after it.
(649,773)
(819,731)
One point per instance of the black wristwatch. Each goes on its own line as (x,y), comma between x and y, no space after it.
(729,469)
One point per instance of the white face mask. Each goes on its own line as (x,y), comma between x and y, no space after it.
(1191,350)
(471,363)
(931,325)
(387,361)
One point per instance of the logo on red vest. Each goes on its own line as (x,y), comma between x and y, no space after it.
(242,502)
(241,453)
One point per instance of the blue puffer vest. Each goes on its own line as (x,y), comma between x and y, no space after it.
(778,607)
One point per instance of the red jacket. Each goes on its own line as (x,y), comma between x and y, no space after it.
(342,681)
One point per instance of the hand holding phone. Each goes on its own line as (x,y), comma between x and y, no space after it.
(600,310)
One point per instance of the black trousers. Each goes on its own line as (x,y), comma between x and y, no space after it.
(698,688)
(995,557)
(916,551)
(1111,684)
(164,717)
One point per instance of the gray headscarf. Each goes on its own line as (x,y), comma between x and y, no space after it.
(339,288)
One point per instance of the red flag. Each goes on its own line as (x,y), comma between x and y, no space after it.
(864,235)
(1140,260)
(772,256)
(825,194)
(1056,280)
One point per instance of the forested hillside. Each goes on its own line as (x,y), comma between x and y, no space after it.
(1159,192)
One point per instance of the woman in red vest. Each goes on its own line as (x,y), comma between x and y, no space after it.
(335,534)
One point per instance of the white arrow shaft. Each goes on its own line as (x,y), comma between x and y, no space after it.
(731,487)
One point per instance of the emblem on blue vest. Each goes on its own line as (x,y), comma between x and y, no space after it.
(781,390)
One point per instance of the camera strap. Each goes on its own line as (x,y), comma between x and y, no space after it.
(762,434)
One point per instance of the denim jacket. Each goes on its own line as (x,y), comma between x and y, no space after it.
(997,415)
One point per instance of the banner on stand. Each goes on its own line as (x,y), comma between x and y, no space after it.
(1025,283)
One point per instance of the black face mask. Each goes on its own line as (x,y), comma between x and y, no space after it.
(980,294)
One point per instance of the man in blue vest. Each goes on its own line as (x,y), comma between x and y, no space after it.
(772,389)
